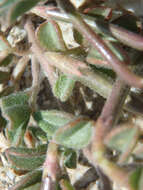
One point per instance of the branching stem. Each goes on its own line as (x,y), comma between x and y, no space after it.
(48,69)
(124,73)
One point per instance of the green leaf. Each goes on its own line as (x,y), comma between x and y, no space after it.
(21,7)
(34,187)
(6,91)
(93,53)
(94,57)
(80,71)
(110,74)
(66,185)
(50,36)
(18,137)
(6,61)
(63,87)
(16,8)
(76,134)
(103,28)
(38,133)
(30,179)
(96,81)
(141,181)
(122,139)
(100,11)
(16,110)
(26,159)
(6,4)
(115,48)
(15,107)
(136,179)
(52,120)
(77,36)
(70,158)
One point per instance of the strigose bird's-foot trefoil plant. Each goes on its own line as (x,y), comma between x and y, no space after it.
(71,83)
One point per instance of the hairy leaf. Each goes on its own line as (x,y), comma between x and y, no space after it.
(70,158)
(123,139)
(26,159)
(52,120)
(38,133)
(17,138)
(34,187)
(76,134)
(28,180)
(16,8)
(80,71)
(16,110)
(50,36)
(63,87)
(136,179)
(96,81)
(66,185)
(95,58)
(77,36)
(6,91)
(6,61)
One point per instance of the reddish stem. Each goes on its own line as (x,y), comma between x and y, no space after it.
(125,74)
(126,37)
(123,71)
(114,103)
